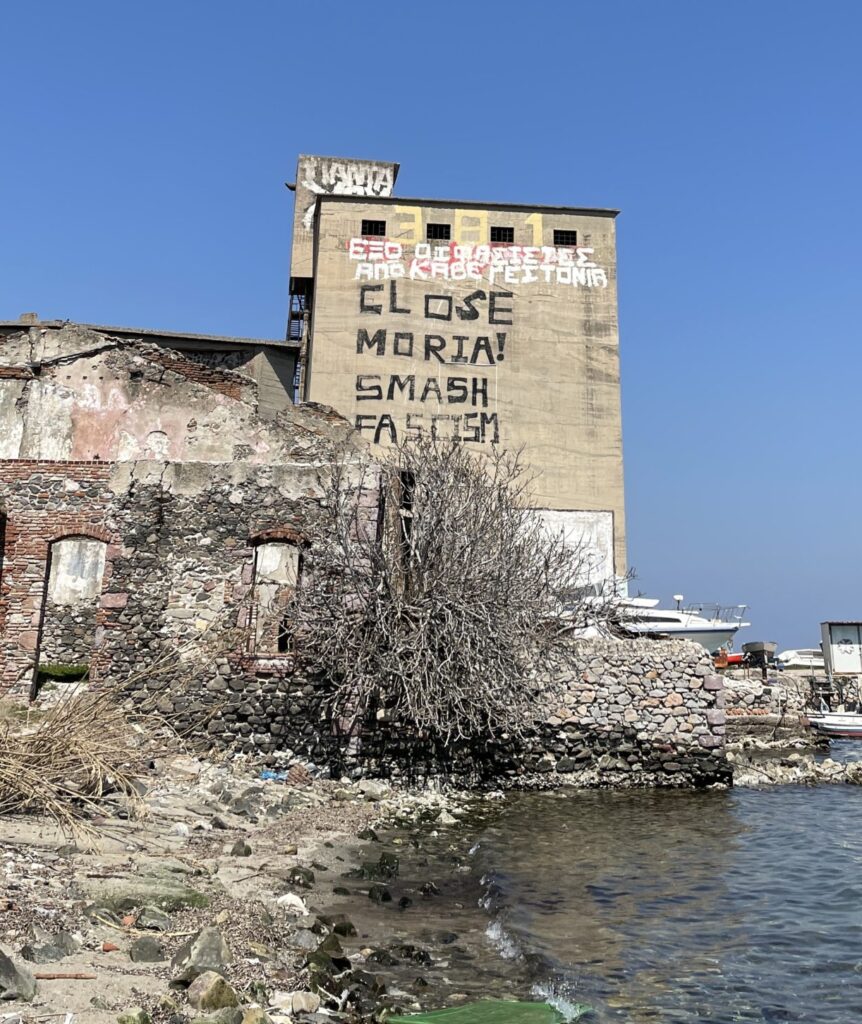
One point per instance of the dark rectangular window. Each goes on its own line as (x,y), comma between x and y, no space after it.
(377,228)
(438,232)
(503,235)
(565,238)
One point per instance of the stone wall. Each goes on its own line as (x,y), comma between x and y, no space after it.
(163,468)
(633,712)
(774,696)
(645,709)
(68,633)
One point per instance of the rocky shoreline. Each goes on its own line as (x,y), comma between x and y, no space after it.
(215,899)
(237,895)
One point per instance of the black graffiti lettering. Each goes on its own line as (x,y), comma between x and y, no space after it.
(414,423)
(432,385)
(459,356)
(366,391)
(501,347)
(405,337)
(471,428)
(480,391)
(365,423)
(435,419)
(364,305)
(446,300)
(468,311)
(482,345)
(456,426)
(456,390)
(434,345)
(393,299)
(387,423)
(489,420)
(494,310)
(364,342)
(403,384)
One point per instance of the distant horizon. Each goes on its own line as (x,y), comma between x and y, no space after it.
(145,187)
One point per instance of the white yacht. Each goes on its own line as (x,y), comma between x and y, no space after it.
(711,626)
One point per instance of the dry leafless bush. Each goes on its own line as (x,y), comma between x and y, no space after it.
(449,607)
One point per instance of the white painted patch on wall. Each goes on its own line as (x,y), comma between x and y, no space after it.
(77,568)
(593,532)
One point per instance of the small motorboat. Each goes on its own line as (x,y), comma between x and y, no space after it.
(807,658)
(837,723)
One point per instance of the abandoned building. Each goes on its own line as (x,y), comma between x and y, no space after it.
(148,493)
(490,322)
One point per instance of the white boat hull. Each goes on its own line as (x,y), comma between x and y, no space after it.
(834,723)
(710,638)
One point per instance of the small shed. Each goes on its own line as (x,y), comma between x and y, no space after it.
(842,647)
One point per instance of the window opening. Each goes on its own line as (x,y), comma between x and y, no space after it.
(407,481)
(277,571)
(438,232)
(565,238)
(502,235)
(374,228)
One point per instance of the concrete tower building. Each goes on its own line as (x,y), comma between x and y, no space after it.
(490,322)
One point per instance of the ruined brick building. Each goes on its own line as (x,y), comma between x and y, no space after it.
(147,491)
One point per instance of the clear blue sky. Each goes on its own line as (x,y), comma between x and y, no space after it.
(146,147)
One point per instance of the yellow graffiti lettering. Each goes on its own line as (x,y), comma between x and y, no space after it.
(471,227)
(535,222)
(409,227)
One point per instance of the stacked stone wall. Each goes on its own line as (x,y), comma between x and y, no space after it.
(68,633)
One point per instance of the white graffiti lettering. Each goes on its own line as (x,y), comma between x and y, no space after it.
(379,259)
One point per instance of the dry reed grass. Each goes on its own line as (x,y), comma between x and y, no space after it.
(63,761)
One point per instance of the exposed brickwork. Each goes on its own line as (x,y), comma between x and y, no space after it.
(225,382)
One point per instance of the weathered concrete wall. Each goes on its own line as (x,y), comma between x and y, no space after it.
(515,343)
(121,402)
(268,368)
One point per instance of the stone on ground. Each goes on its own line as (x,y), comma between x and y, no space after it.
(204,952)
(16,981)
(147,950)
(209,991)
